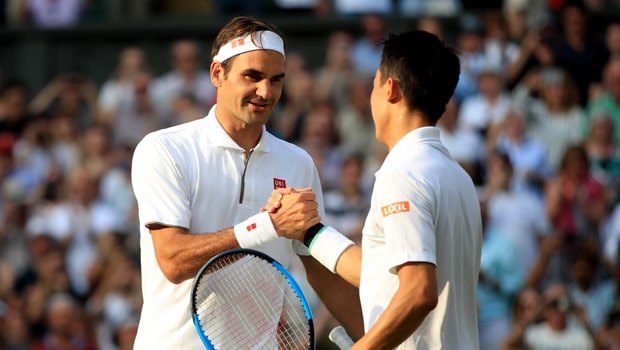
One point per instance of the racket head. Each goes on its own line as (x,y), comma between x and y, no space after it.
(245,299)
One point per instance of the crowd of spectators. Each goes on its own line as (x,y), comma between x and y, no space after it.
(535,120)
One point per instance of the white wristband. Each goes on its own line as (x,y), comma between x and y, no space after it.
(327,246)
(256,230)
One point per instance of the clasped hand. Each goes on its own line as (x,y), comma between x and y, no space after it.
(293,211)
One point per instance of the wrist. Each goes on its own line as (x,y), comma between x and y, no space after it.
(327,246)
(256,230)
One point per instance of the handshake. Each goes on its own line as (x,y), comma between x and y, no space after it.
(293,213)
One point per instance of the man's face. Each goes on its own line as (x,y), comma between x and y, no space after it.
(377,105)
(252,87)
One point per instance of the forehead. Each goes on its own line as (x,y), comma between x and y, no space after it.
(266,61)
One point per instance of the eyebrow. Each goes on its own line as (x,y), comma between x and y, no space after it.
(262,74)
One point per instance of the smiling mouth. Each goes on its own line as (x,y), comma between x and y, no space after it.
(259,104)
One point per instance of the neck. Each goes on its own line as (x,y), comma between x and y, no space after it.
(403,124)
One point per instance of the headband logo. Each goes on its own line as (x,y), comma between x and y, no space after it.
(237,42)
(262,40)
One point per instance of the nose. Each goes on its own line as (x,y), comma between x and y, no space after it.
(264,89)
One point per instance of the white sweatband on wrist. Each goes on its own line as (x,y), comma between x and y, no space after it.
(262,40)
(327,246)
(299,248)
(256,230)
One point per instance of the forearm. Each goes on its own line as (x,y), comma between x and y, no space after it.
(399,320)
(340,297)
(180,254)
(349,265)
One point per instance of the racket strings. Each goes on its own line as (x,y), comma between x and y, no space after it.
(245,303)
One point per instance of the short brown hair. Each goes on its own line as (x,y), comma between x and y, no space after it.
(238,27)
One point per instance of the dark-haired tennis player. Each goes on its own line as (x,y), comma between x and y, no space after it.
(200,186)
(417,267)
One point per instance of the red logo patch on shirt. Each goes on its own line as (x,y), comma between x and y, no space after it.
(398,207)
(278,183)
(251,227)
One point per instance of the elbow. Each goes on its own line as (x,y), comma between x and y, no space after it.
(171,272)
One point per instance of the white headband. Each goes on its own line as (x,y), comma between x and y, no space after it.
(266,40)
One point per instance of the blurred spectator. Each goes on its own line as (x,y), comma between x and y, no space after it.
(317,7)
(561,328)
(47,277)
(362,7)
(52,13)
(297,100)
(346,206)
(466,146)
(65,328)
(186,108)
(470,44)
(576,201)
(14,330)
(527,306)
(366,54)
(356,129)
(554,115)
(95,149)
(518,215)
(64,147)
(187,76)
(489,106)
(523,16)
(428,7)
(536,53)
(70,94)
(499,50)
(136,114)
(333,76)
(588,288)
(432,25)
(612,39)
(579,51)
(604,154)
(120,83)
(14,213)
(528,155)
(609,100)
(502,275)
(13,107)
(319,137)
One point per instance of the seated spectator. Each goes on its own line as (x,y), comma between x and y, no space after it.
(609,100)
(466,146)
(604,154)
(554,116)
(560,327)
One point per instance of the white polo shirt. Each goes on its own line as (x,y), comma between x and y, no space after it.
(424,208)
(190,176)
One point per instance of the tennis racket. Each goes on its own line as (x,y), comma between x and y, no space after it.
(244,299)
(340,337)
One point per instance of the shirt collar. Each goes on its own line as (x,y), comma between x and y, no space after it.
(427,134)
(218,137)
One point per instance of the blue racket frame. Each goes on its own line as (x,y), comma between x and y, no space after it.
(292,282)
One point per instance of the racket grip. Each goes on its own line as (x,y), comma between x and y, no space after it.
(339,336)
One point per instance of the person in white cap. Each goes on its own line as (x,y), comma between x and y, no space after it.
(201,185)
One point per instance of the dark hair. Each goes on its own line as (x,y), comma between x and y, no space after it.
(426,69)
(241,26)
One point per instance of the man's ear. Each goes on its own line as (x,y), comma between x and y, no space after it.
(393,91)
(217,73)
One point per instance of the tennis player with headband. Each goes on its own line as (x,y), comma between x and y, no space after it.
(417,267)
(200,187)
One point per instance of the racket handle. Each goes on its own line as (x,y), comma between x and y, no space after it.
(339,336)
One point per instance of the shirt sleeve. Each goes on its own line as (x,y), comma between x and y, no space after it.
(160,186)
(406,208)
